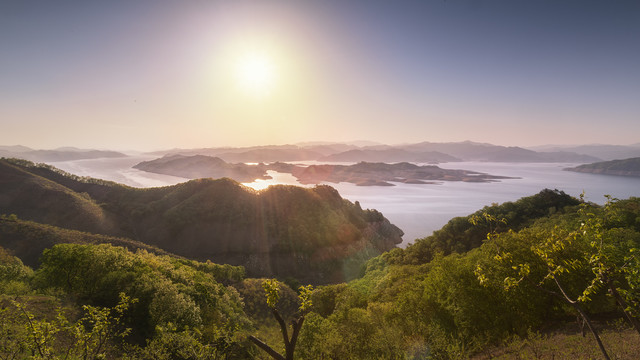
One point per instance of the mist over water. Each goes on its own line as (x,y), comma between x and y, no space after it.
(119,170)
(418,209)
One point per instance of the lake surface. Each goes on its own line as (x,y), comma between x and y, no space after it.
(418,209)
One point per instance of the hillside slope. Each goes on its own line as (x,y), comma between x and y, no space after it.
(27,239)
(625,167)
(34,197)
(312,235)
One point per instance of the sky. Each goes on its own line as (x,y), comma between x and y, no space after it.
(159,74)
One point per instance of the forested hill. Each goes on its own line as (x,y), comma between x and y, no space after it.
(625,167)
(465,233)
(312,235)
(27,239)
(508,281)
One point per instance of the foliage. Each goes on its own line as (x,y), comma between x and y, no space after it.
(90,337)
(27,239)
(458,305)
(311,234)
(272,289)
(169,290)
(255,306)
(457,295)
(14,275)
(462,234)
(272,292)
(574,265)
(305,298)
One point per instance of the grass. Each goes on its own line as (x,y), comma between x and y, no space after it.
(567,342)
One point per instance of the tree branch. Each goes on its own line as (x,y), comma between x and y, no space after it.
(283,327)
(297,325)
(266,348)
(623,304)
(566,297)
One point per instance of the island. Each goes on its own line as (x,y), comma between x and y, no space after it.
(202,166)
(361,174)
(624,167)
(382,174)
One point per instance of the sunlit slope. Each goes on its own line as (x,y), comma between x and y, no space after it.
(312,235)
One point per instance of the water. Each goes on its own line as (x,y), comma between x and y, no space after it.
(119,170)
(416,208)
(421,209)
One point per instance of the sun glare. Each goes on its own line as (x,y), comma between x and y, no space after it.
(256,74)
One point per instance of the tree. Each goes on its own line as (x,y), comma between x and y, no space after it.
(86,339)
(554,262)
(272,291)
(611,255)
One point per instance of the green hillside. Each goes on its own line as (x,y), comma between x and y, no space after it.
(312,235)
(464,233)
(514,292)
(27,239)
(38,198)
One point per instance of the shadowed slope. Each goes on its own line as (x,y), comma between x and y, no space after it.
(310,234)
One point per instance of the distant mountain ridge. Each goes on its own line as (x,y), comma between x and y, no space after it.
(602,151)
(60,154)
(472,151)
(389,155)
(424,152)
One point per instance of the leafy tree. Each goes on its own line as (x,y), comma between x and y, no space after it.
(272,292)
(87,338)
(555,262)
(461,235)
(611,255)
(169,290)
(14,275)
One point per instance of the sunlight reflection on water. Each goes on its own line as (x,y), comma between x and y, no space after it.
(420,209)
(277,178)
(417,209)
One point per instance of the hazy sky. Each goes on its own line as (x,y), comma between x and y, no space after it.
(153,74)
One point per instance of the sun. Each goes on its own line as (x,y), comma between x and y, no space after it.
(256,74)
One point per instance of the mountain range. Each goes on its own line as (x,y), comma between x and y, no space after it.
(425,152)
(602,151)
(60,154)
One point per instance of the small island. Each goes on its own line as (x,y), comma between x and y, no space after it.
(361,174)
(625,167)
(382,174)
(202,166)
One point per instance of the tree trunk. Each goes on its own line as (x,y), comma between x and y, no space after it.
(289,344)
(593,330)
(266,348)
(623,304)
(584,315)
